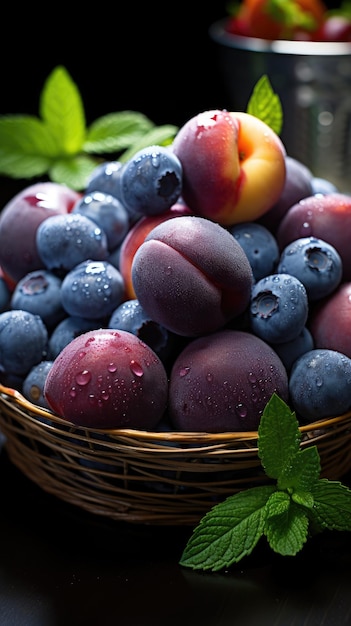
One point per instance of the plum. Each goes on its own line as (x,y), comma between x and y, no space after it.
(298,185)
(326,217)
(330,321)
(191,276)
(20,219)
(106,378)
(222,382)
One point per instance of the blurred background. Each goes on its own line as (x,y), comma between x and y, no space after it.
(159,61)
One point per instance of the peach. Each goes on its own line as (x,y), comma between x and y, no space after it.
(192,276)
(136,237)
(233,166)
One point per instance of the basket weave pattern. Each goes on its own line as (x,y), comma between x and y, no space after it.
(148,477)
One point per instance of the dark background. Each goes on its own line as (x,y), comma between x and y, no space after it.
(149,57)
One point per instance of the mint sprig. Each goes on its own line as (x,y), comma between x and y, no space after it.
(299,503)
(265,104)
(58,143)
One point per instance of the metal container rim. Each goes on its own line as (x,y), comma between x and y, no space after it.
(219,35)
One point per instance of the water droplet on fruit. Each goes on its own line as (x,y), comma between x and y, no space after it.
(136,368)
(209,377)
(252,377)
(73,392)
(241,410)
(83,378)
(112,367)
(305,230)
(184,371)
(168,270)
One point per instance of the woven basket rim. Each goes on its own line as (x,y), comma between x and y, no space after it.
(169,436)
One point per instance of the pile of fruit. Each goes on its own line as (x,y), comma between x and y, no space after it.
(182,288)
(300,20)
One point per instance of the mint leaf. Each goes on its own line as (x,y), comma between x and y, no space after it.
(229,531)
(62,110)
(159,136)
(116,131)
(286,513)
(74,171)
(286,533)
(278,437)
(302,472)
(332,505)
(58,143)
(266,105)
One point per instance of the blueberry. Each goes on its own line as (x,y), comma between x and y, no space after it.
(92,289)
(40,293)
(23,341)
(107,212)
(260,246)
(151,181)
(322,185)
(290,351)
(320,384)
(105,178)
(278,308)
(315,263)
(131,316)
(67,330)
(33,383)
(5,295)
(65,240)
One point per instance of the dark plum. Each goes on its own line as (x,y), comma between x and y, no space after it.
(19,221)
(108,379)
(222,382)
(330,321)
(298,185)
(326,217)
(320,384)
(192,276)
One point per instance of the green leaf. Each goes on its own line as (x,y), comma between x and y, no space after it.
(159,135)
(116,131)
(287,533)
(302,472)
(73,172)
(291,15)
(266,105)
(61,108)
(332,505)
(277,504)
(278,437)
(229,531)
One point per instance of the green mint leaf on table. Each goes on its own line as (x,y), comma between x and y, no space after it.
(60,145)
(286,512)
(266,105)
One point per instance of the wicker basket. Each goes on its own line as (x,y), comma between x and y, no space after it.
(148,477)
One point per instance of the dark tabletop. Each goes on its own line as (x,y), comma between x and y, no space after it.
(60,565)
